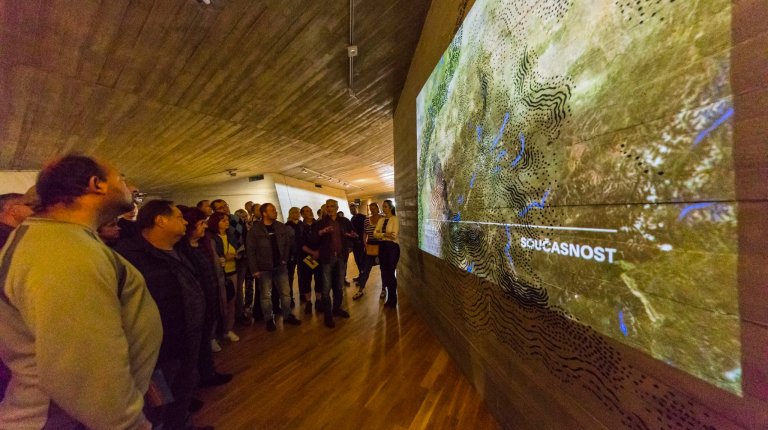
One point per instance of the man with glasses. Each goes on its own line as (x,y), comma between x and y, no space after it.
(331,235)
(236,236)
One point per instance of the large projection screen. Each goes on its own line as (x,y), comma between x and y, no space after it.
(579,155)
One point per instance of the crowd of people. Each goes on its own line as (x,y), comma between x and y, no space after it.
(117,326)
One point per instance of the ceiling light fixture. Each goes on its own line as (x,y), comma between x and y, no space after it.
(351,50)
(329,178)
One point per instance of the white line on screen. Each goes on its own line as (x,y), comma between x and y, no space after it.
(549,227)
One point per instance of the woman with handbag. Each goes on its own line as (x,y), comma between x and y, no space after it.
(371,252)
(387,230)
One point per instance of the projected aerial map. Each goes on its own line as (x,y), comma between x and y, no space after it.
(578,154)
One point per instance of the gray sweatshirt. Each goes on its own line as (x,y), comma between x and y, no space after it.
(66,335)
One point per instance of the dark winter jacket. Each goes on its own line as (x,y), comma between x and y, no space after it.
(179,297)
(258,246)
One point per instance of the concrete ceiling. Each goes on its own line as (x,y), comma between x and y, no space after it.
(175,92)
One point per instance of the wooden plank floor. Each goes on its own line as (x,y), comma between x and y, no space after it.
(380,369)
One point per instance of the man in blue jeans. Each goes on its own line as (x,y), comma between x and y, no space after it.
(333,234)
(268,247)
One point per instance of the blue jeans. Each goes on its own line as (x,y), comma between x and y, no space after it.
(333,279)
(279,276)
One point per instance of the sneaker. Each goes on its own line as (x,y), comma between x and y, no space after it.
(358,294)
(215,347)
(341,313)
(308,308)
(291,319)
(383,294)
(232,336)
(216,380)
(271,326)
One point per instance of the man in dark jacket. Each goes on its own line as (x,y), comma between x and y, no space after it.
(172,282)
(268,248)
(333,235)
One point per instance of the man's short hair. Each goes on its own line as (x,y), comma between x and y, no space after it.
(216,202)
(263,208)
(7,199)
(66,179)
(151,210)
(200,204)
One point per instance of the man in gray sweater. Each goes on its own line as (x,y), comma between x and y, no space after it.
(78,328)
(268,246)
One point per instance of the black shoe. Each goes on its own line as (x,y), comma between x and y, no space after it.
(290,319)
(293,303)
(271,326)
(216,380)
(195,405)
(308,308)
(245,321)
(341,313)
(329,322)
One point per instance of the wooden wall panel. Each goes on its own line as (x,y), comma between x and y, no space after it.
(536,367)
